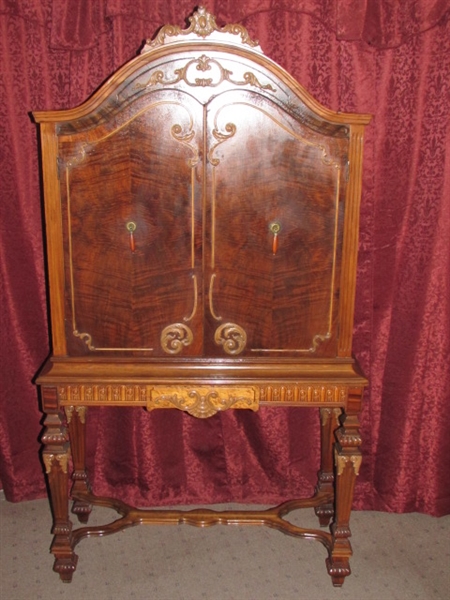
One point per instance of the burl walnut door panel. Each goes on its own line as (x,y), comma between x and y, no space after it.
(132,221)
(276,191)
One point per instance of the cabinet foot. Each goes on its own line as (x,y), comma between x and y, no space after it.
(62,549)
(65,567)
(324,513)
(82,510)
(338,569)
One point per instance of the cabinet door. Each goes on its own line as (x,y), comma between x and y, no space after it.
(130,197)
(276,193)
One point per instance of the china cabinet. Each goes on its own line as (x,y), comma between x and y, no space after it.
(202,229)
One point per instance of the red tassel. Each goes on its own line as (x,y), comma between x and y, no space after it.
(275,243)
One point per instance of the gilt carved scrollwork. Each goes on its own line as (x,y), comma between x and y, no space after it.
(230,130)
(79,410)
(202,25)
(185,138)
(330,413)
(342,460)
(231,337)
(217,75)
(175,337)
(204,401)
(61,459)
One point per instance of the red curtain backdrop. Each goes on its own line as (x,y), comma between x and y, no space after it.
(385,57)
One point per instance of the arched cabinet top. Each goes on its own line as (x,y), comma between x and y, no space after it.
(203,60)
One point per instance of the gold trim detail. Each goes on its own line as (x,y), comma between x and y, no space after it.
(87,339)
(325,414)
(194,310)
(342,460)
(304,394)
(218,75)
(210,295)
(202,24)
(62,460)
(230,131)
(80,410)
(176,132)
(204,401)
(325,158)
(176,336)
(232,337)
(72,395)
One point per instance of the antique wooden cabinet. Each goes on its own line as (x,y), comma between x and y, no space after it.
(202,228)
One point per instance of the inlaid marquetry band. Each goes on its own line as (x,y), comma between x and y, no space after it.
(80,395)
(71,395)
(203,401)
(304,394)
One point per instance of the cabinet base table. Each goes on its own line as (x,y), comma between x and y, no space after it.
(66,401)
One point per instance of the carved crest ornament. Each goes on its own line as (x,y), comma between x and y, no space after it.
(202,25)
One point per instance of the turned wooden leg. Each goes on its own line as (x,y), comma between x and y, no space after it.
(55,455)
(329,419)
(76,421)
(347,463)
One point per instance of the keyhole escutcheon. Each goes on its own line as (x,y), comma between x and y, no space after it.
(275,229)
(131,228)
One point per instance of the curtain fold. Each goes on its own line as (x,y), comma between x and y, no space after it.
(76,24)
(387,58)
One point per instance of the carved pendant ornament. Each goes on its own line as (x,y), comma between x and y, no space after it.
(203,401)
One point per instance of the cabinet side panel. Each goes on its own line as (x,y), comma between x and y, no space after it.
(54,235)
(351,236)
